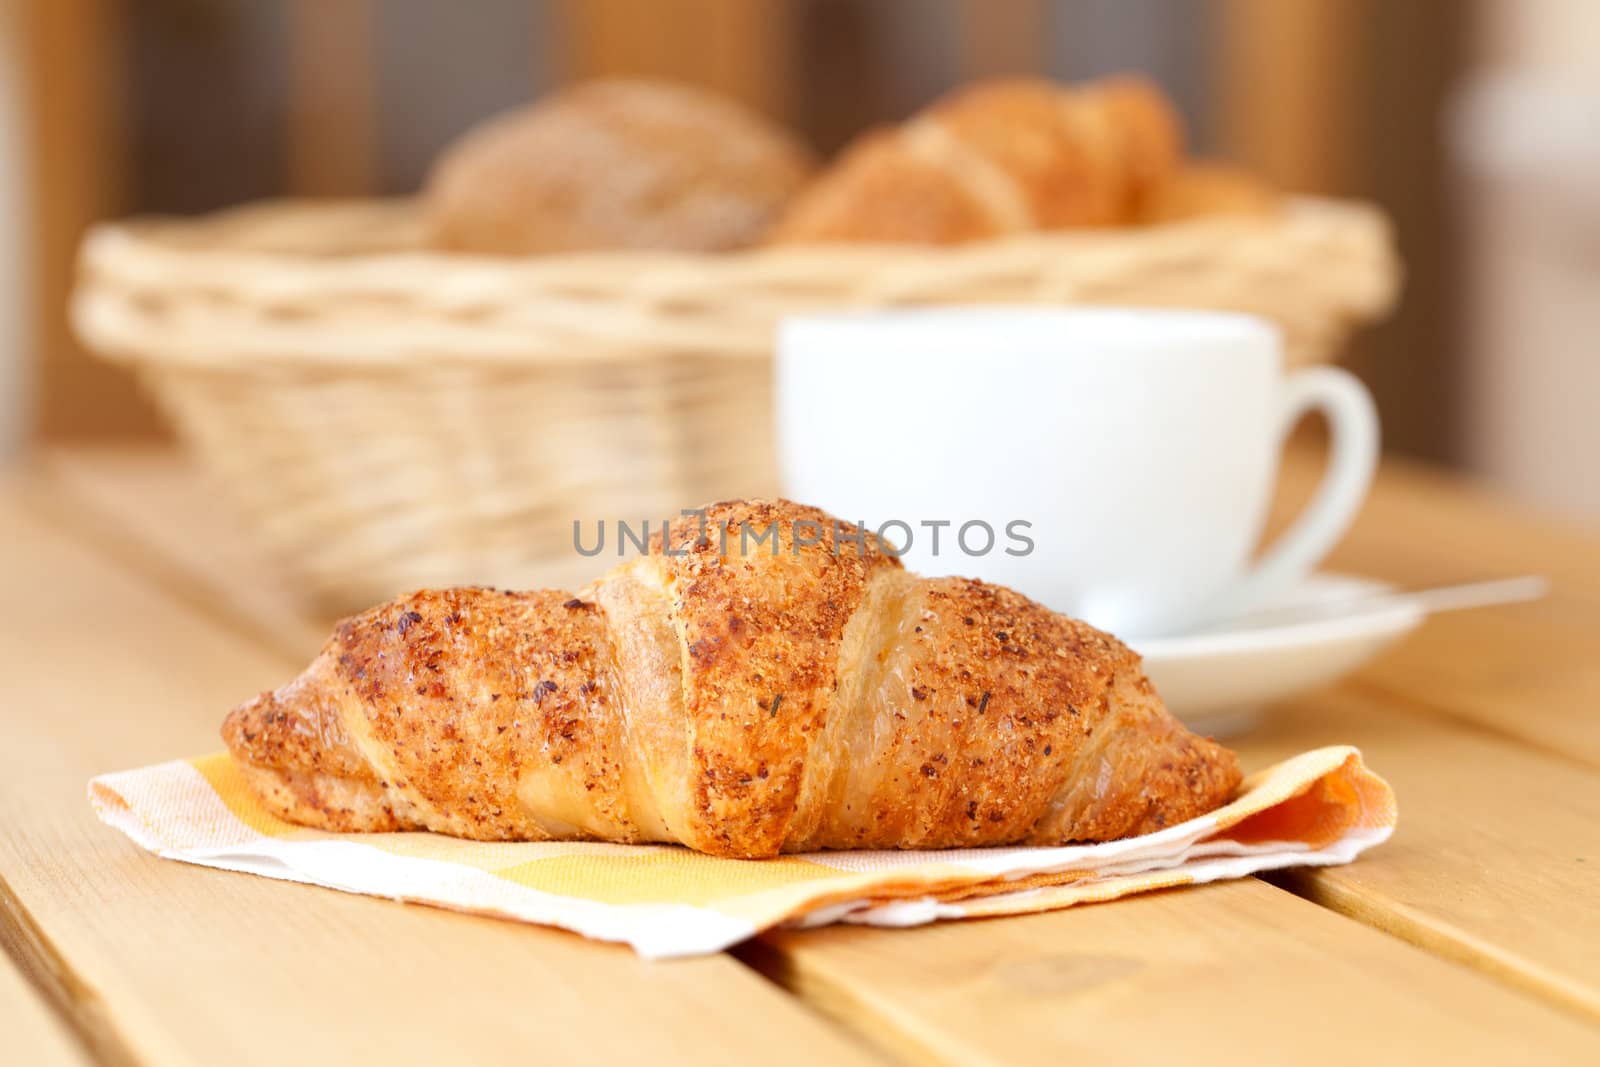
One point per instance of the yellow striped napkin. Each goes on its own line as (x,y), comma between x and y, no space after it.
(1322,807)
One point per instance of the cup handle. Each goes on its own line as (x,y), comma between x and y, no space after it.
(1353,459)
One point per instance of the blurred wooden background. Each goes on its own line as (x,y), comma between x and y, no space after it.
(189,105)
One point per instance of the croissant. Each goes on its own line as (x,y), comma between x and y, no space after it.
(766,679)
(999,157)
(1205,190)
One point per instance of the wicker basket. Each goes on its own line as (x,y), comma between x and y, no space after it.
(387,417)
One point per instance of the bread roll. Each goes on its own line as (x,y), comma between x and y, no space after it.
(615,164)
(998,157)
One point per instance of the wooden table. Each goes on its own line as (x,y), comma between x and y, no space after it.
(135,614)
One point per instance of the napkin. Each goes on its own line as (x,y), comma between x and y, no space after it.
(1321,807)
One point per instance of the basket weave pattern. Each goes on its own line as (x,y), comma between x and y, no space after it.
(387,417)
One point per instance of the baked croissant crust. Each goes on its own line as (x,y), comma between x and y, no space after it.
(999,157)
(740,697)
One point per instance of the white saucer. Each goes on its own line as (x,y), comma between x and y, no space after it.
(1218,679)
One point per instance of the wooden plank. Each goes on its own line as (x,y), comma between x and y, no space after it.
(1001,38)
(741,48)
(333,107)
(1283,77)
(1527,672)
(162,962)
(156,512)
(1341,97)
(74,156)
(1415,362)
(1496,862)
(1229,973)
(33,1033)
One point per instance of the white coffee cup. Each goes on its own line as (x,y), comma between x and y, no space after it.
(1139,447)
